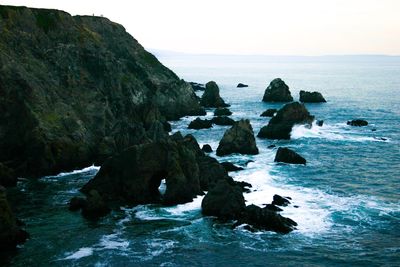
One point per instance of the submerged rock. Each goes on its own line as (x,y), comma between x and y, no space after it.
(200,124)
(230,167)
(238,139)
(311,97)
(241,85)
(280,126)
(222,112)
(269,112)
(277,91)
(287,155)
(223,121)
(357,122)
(280,201)
(206,148)
(211,97)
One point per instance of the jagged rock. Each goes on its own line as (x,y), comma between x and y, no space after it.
(272,207)
(311,97)
(11,234)
(238,139)
(207,148)
(266,219)
(78,89)
(287,155)
(245,186)
(222,112)
(157,131)
(197,86)
(320,123)
(211,171)
(224,201)
(358,123)
(200,124)
(94,207)
(241,85)
(277,91)
(7,176)
(211,97)
(280,201)
(223,121)
(280,126)
(230,167)
(269,112)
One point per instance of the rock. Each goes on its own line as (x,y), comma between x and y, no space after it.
(11,234)
(357,122)
(311,97)
(272,207)
(277,91)
(211,97)
(280,201)
(320,123)
(271,146)
(287,155)
(197,86)
(373,129)
(223,121)
(266,219)
(280,126)
(157,131)
(7,176)
(78,89)
(222,112)
(230,167)
(76,203)
(238,139)
(269,112)
(211,171)
(241,85)
(224,201)
(245,186)
(94,206)
(207,148)
(200,124)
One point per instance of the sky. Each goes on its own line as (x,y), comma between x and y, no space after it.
(270,27)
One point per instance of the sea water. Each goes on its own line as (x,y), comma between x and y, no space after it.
(346,200)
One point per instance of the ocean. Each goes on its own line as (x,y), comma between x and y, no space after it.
(346,200)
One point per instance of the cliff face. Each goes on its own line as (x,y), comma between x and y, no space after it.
(75,90)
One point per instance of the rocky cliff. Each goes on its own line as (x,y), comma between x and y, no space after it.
(76,89)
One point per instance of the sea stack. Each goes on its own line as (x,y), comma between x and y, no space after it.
(311,97)
(211,97)
(277,91)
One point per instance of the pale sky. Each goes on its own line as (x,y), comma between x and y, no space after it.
(271,27)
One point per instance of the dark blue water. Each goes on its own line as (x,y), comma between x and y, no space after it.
(348,193)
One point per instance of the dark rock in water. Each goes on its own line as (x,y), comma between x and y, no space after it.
(245,186)
(7,176)
(222,112)
(241,85)
(78,89)
(200,124)
(211,171)
(197,86)
(280,201)
(224,201)
(238,139)
(266,219)
(94,206)
(311,97)
(358,123)
(211,97)
(271,146)
(269,112)
(207,148)
(320,123)
(223,121)
(230,167)
(11,234)
(272,207)
(280,126)
(287,155)
(373,129)
(277,91)
(76,203)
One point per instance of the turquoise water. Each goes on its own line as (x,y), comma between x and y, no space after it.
(348,194)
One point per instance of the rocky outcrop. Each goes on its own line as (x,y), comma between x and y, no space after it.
(311,97)
(238,139)
(357,122)
(230,167)
(10,233)
(241,85)
(277,91)
(287,155)
(7,176)
(269,112)
(222,112)
(197,86)
(75,90)
(280,126)
(223,120)
(206,148)
(211,97)
(200,124)
(280,201)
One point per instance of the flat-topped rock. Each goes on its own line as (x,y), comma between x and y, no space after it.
(222,112)
(311,97)
(241,85)
(200,124)
(357,122)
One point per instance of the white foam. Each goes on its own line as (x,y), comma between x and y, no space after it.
(184,209)
(81,253)
(87,169)
(113,242)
